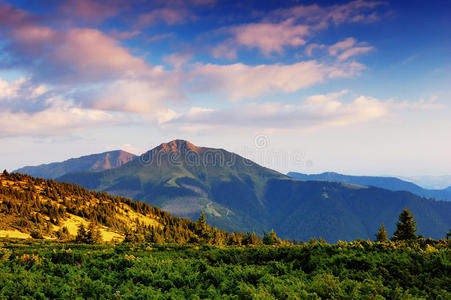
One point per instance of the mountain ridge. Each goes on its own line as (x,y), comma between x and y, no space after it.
(240,195)
(386,182)
(93,162)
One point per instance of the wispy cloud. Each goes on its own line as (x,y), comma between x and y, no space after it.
(170,16)
(239,81)
(28,109)
(348,48)
(314,111)
(292,27)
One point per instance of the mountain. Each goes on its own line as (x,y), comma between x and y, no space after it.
(56,210)
(94,162)
(238,194)
(184,180)
(389,183)
(431,182)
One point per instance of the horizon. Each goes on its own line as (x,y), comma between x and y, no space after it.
(353,87)
(424,181)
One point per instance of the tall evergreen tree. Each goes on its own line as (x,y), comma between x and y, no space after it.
(406,227)
(271,238)
(81,234)
(94,236)
(381,235)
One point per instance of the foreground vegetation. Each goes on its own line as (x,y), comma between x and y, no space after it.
(360,269)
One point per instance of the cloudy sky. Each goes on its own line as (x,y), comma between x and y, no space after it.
(359,87)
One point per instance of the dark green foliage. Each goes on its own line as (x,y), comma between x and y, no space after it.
(406,227)
(359,270)
(271,238)
(381,235)
(251,239)
(91,235)
(63,234)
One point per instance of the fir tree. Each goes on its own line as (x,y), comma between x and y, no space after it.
(406,227)
(381,235)
(93,235)
(252,239)
(81,234)
(271,238)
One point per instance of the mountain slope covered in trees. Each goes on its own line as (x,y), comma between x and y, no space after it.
(46,208)
(388,183)
(94,162)
(239,195)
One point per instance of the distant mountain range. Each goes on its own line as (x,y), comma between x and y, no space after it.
(240,195)
(94,162)
(389,183)
(430,182)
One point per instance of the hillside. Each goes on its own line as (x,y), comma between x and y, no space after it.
(56,210)
(337,211)
(388,183)
(94,162)
(239,195)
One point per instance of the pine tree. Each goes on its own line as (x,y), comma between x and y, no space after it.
(381,235)
(271,238)
(202,223)
(93,235)
(81,234)
(406,227)
(251,239)
(448,235)
(202,228)
(233,240)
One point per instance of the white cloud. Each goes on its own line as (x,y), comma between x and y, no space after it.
(351,12)
(26,109)
(270,38)
(20,88)
(292,26)
(314,111)
(348,48)
(239,81)
(342,45)
(59,118)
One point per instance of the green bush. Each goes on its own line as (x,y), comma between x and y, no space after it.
(346,270)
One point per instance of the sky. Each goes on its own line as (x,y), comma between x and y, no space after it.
(358,87)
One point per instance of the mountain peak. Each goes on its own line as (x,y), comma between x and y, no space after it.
(92,162)
(178,146)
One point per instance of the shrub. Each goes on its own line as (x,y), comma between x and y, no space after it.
(36,234)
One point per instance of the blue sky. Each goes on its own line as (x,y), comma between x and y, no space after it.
(359,87)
